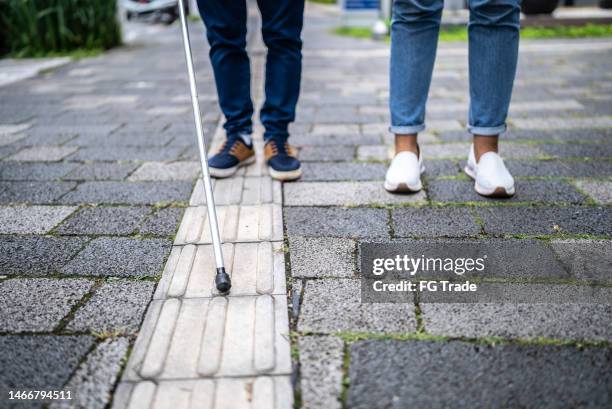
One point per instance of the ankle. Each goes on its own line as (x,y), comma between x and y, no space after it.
(406,143)
(484,144)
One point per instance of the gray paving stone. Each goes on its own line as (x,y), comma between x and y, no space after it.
(329,171)
(30,255)
(332,140)
(32,219)
(559,168)
(343,310)
(322,257)
(105,220)
(33,192)
(121,139)
(182,170)
(106,256)
(92,384)
(434,222)
(35,171)
(164,222)
(546,220)
(523,259)
(32,305)
(578,150)
(327,154)
(60,133)
(40,362)
(374,152)
(508,375)
(7,150)
(7,139)
(441,167)
(460,150)
(552,191)
(114,153)
(129,192)
(586,259)
(599,190)
(336,222)
(321,361)
(116,307)
(344,194)
(102,171)
(525,321)
(43,153)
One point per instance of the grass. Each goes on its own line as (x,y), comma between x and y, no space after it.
(41,28)
(460,33)
(323,1)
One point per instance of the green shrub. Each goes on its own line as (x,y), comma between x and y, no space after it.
(34,28)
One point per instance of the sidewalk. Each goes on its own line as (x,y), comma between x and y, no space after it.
(98,165)
(105,266)
(354,355)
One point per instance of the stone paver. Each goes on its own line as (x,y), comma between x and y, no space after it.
(344,194)
(116,307)
(35,171)
(93,382)
(33,192)
(43,153)
(32,219)
(166,171)
(343,310)
(163,222)
(600,191)
(336,222)
(35,305)
(129,192)
(322,257)
(507,375)
(104,220)
(120,256)
(321,369)
(274,392)
(545,220)
(550,191)
(34,255)
(236,223)
(434,222)
(101,171)
(48,360)
(585,259)
(525,321)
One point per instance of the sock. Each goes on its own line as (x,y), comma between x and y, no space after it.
(246,138)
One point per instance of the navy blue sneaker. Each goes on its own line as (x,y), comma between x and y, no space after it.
(233,154)
(282,160)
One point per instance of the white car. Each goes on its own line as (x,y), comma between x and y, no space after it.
(165,11)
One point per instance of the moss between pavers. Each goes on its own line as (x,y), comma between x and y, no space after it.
(351,337)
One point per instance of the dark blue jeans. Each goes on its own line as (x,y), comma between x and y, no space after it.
(226,28)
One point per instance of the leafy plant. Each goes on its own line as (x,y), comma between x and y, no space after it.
(34,28)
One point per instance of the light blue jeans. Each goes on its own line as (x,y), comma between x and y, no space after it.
(493,31)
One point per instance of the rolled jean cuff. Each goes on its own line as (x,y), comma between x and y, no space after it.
(406,130)
(487,130)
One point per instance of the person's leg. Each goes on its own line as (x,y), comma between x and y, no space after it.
(226,29)
(281,29)
(414,38)
(493,32)
(493,51)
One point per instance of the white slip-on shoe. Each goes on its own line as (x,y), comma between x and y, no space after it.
(404,174)
(491,177)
